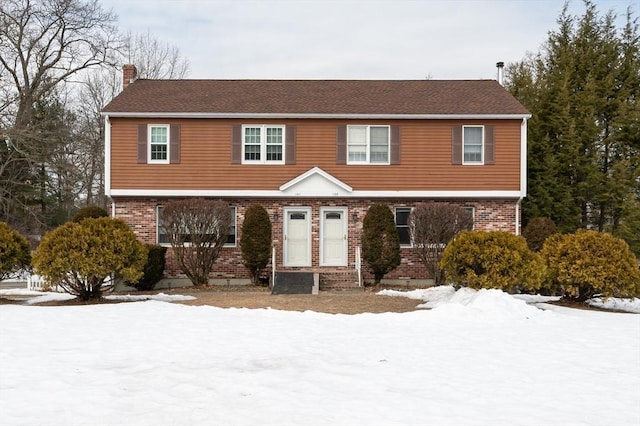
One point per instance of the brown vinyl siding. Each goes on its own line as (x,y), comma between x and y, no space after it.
(206,157)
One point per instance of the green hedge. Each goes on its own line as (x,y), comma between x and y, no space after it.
(153,268)
(480,259)
(589,263)
(15,253)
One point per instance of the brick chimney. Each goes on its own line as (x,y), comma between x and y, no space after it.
(129,74)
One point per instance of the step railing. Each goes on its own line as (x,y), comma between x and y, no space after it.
(273,266)
(358,266)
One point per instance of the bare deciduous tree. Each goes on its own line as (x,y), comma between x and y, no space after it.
(155,59)
(43,44)
(432,226)
(197,229)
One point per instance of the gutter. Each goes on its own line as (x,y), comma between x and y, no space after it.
(235,115)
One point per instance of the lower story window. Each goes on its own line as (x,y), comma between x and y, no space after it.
(231,238)
(402,225)
(472,212)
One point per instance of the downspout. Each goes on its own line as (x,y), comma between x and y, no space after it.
(523,171)
(518,205)
(523,157)
(107,163)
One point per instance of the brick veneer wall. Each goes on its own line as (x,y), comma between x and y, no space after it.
(140,215)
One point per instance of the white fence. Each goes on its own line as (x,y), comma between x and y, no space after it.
(37,283)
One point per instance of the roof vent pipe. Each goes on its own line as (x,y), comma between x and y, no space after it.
(500,66)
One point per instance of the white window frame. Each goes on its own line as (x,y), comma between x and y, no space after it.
(150,143)
(395,219)
(234,228)
(368,144)
(473,163)
(263,143)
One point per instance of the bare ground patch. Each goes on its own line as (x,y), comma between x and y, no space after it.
(328,302)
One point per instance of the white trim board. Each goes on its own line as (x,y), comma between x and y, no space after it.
(141,192)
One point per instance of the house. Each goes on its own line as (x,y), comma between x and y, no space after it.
(316,154)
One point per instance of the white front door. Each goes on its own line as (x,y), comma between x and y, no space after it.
(333,236)
(297,237)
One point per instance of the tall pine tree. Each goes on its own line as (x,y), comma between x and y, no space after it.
(582,89)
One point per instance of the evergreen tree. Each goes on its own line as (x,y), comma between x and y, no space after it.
(255,241)
(584,150)
(380,241)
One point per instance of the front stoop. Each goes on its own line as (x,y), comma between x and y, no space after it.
(339,280)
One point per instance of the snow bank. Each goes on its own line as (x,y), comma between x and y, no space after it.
(467,302)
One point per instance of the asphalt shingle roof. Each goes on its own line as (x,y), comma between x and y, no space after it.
(333,97)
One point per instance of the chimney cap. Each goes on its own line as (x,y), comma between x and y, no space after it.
(500,64)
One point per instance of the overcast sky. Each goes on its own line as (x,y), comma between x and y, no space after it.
(349,39)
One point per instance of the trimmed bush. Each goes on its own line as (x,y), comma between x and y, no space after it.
(589,263)
(15,253)
(255,241)
(89,211)
(537,231)
(480,259)
(380,241)
(153,268)
(85,258)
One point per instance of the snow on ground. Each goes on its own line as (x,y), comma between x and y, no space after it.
(614,303)
(41,297)
(480,358)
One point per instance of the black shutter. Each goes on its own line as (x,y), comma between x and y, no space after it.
(395,145)
(456,145)
(142,143)
(341,145)
(236,144)
(290,148)
(174,144)
(489,145)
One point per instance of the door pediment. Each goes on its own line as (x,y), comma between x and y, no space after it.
(315,182)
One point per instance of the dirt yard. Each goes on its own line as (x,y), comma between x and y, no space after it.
(338,302)
(329,302)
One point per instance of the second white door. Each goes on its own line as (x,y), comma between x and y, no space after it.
(333,236)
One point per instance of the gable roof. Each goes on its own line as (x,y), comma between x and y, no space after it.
(331,98)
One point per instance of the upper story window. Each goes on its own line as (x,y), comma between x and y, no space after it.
(472,144)
(368,144)
(158,143)
(263,144)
